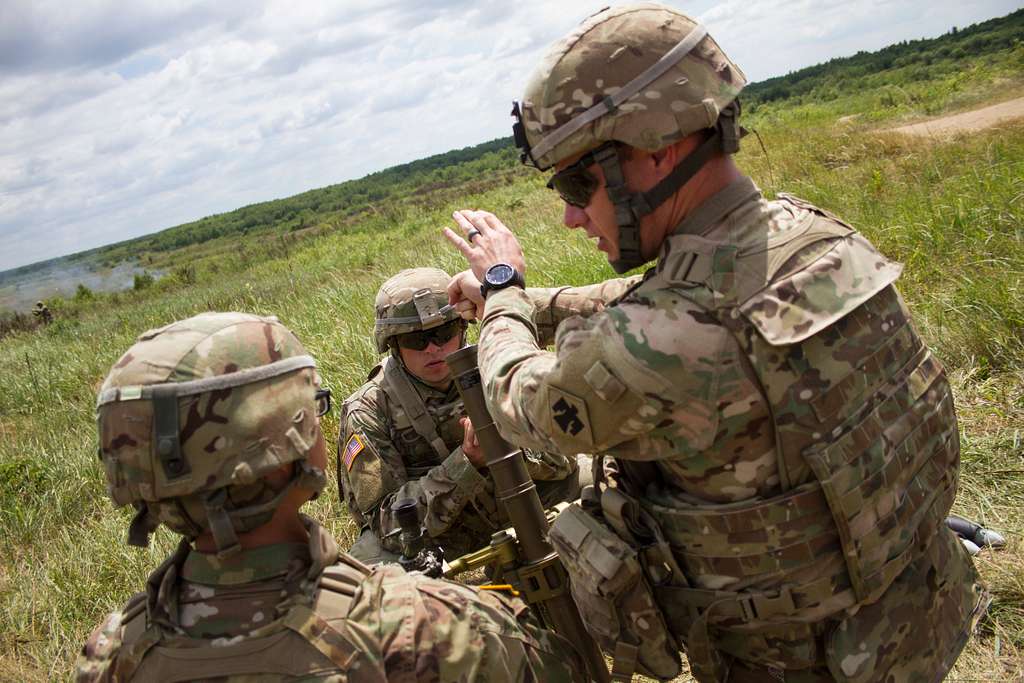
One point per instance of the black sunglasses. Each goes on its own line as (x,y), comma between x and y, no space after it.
(574,183)
(417,341)
(323,402)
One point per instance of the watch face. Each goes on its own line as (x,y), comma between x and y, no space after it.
(499,274)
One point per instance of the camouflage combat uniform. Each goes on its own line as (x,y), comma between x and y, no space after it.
(783,446)
(401,438)
(674,381)
(200,424)
(302,612)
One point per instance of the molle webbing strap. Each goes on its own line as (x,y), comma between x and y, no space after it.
(202,386)
(414,407)
(612,102)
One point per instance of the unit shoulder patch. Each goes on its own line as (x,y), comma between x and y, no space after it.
(569,415)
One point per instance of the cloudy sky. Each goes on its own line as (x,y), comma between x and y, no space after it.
(119,119)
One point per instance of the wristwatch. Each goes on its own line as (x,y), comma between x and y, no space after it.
(500,276)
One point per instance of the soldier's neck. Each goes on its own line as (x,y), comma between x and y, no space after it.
(442,386)
(715,176)
(284,527)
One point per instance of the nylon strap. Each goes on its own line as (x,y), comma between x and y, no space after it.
(202,386)
(414,407)
(612,102)
(166,440)
(220,524)
(624,661)
(625,211)
(442,313)
(648,201)
(631,207)
(138,530)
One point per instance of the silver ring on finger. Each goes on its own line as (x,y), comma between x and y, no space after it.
(471,235)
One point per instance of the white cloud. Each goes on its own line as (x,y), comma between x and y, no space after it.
(119,119)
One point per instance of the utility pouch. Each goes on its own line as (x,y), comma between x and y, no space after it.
(613,595)
(918,627)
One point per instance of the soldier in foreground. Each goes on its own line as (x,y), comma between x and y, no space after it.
(783,447)
(211,427)
(404,434)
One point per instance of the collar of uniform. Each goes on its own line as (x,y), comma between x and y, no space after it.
(717,206)
(254,564)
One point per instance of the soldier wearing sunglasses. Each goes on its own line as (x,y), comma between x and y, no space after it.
(404,433)
(781,445)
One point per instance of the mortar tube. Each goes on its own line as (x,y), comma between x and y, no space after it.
(515,489)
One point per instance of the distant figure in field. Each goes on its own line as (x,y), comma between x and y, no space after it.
(211,427)
(42,313)
(404,434)
(781,446)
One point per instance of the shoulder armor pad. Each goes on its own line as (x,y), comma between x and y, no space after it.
(338,585)
(803,303)
(804,204)
(135,607)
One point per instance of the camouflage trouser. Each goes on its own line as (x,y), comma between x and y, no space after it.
(913,633)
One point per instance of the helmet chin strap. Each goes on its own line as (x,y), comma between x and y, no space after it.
(631,207)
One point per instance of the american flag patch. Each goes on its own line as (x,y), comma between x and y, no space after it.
(353,448)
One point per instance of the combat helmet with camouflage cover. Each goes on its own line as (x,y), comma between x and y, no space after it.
(642,75)
(412,300)
(194,416)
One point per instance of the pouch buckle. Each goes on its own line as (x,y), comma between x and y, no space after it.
(764,606)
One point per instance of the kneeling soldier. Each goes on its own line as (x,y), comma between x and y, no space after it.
(404,434)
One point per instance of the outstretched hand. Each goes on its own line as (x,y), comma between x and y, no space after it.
(487,241)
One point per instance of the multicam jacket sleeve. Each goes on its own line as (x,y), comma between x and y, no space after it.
(431,630)
(375,477)
(96,660)
(651,378)
(552,305)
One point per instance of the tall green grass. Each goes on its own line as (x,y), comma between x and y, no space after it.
(952,211)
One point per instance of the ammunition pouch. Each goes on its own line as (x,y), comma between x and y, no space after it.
(614,595)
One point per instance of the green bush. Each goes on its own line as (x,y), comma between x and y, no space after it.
(143,281)
(83,293)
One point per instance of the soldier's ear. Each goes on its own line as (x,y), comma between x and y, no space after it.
(279,478)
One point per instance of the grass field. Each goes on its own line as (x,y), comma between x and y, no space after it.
(952,211)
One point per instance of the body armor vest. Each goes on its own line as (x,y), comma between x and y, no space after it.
(422,437)
(866,436)
(425,439)
(309,638)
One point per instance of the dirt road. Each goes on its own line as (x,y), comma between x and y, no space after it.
(966,121)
